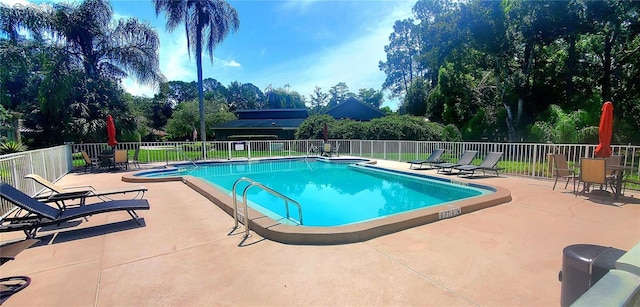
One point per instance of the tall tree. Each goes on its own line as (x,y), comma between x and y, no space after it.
(318,100)
(402,66)
(281,98)
(339,93)
(371,97)
(207,23)
(244,96)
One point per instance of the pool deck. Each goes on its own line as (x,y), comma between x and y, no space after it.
(186,255)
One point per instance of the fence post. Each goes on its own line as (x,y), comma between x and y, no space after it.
(69,152)
(206,149)
(384,150)
(534,160)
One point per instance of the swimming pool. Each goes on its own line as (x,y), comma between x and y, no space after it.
(330,194)
(341,201)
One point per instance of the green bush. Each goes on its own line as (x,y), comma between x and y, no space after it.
(12,147)
(393,127)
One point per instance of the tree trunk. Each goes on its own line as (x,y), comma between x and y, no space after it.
(203,131)
(606,68)
(571,66)
(509,120)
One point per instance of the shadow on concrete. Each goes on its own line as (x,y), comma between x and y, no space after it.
(88,232)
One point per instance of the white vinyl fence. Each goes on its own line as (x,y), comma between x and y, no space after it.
(526,159)
(522,159)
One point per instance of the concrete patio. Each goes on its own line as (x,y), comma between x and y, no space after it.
(185,255)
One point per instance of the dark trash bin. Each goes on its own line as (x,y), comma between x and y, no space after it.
(582,266)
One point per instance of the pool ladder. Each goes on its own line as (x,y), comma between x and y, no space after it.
(253,183)
(311,149)
(180,151)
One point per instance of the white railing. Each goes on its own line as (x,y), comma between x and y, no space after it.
(526,159)
(51,163)
(523,159)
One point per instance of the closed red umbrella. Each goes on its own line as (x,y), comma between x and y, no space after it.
(111,131)
(605,131)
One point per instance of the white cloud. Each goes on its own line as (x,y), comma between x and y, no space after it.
(298,5)
(232,63)
(355,62)
(134,88)
(175,63)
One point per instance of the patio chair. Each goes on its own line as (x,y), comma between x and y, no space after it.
(326,150)
(58,194)
(489,164)
(88,162)
(561,170)
(106,161)
(466,159)
(432,159)
(592,171)
(134,159)
(612,174)
(334,150)
(12,285)
(121,158)
(33,214)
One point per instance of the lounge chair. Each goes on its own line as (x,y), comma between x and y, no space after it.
(432,159)
(12,285)
(59,194)
(33,214)
(489,164)
(466,159)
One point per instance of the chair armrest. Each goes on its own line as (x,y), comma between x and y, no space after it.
(85,187)
(573,171)
(68,196)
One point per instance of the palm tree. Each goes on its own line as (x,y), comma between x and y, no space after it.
(207,23)
(18,17)
(106,49)
(79,55)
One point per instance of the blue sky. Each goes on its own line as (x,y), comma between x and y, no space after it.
(302,43)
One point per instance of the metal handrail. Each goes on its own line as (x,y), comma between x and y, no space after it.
(253,183)
(185,155)
(311,148)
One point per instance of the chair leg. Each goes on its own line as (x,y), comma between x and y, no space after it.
(554,184)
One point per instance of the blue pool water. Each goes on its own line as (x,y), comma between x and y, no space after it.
(331,194)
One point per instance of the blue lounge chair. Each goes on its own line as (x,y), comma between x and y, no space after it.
(58,194)
(466,159)
(33,214)
(433,158)
(489,164)
(14,284)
